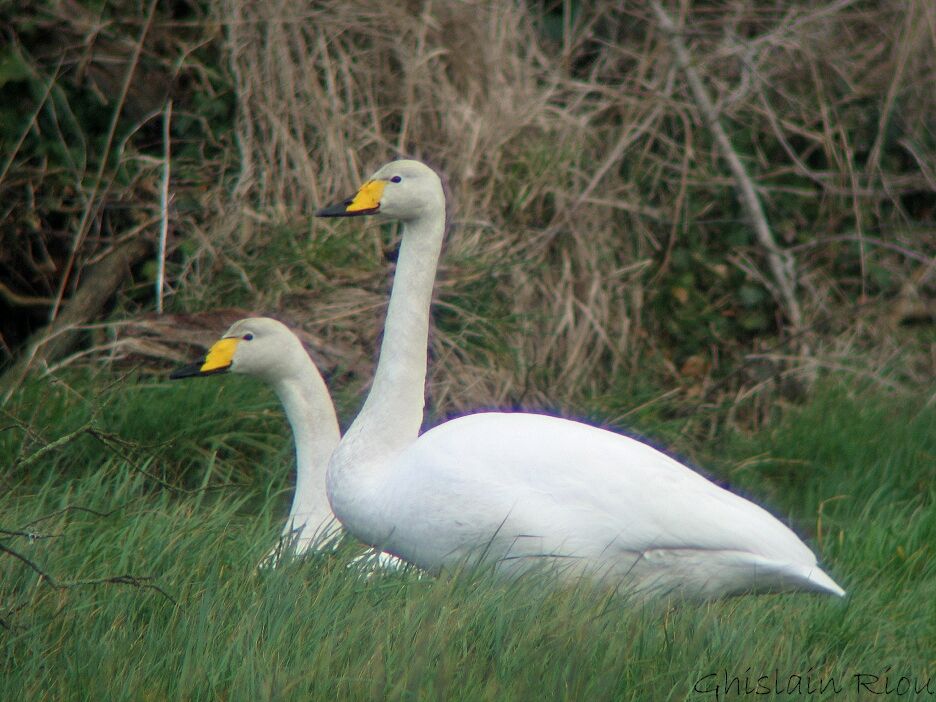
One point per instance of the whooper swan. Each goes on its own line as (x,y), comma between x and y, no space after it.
(267,349)
(518,488)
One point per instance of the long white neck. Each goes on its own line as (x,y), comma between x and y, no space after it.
(315,429)
(393,411)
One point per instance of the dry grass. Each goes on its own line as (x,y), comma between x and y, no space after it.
(579,163)
(594,220)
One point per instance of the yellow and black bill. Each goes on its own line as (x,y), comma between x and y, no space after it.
(217,360)
(366,201)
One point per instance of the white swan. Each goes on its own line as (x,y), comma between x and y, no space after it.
(523,489)
(267,349)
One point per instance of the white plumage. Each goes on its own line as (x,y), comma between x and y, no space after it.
(521,489)
(531,485)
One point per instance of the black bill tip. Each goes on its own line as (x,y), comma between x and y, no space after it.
(340,209)
(194,370)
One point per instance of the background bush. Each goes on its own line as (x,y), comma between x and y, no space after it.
(590,207)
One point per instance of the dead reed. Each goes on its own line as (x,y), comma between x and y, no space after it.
(596,230)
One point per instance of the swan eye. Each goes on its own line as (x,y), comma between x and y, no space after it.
(248,337)
(396,179)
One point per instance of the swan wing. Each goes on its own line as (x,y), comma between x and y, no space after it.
(527,484)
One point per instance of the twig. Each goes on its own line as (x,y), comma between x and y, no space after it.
(30,535)
(827,364)
(164,209)
(77,508)
(907,253)
(117,446)
(17,300)
(31,121)
(105,157)
(628,136)
(56,339)
(921,161)
(780,261)
(52,445)
(7,622)
(127,579)
(781,343)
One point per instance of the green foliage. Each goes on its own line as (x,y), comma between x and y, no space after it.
(174,429)
(853,468)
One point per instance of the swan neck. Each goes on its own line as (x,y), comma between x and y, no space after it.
(393,411)
(311,415)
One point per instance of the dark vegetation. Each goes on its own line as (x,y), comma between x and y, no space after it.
(591,205)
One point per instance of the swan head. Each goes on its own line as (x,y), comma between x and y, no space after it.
(257,346)
(402,190)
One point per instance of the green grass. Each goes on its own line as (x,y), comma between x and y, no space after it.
(319,629)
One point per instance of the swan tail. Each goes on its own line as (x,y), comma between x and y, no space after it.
(816,579)
(805,578)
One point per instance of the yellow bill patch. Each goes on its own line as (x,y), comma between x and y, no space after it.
(220,355)
(368,196)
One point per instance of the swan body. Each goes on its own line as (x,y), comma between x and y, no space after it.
(531,488)
(518,489)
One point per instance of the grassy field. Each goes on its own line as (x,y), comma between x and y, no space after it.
(853,470)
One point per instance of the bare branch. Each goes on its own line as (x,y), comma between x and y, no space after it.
(100,283)
(144,582)
(31,535)
(17,300)
(105,157)
(52,445)
(76,508)
(164,209)
(780,261)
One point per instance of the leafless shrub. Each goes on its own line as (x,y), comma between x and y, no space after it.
(595,225)
(576,162)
